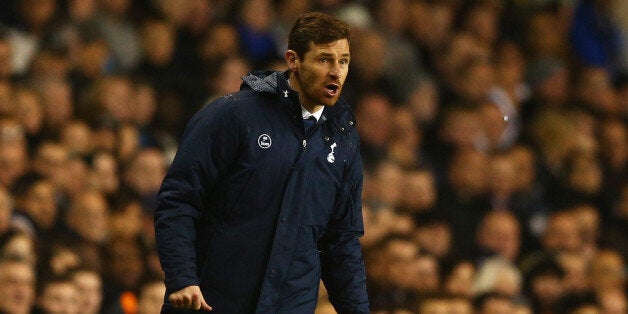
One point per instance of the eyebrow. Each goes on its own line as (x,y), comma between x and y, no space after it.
(327,54)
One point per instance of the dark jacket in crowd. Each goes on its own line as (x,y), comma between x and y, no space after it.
(256,211)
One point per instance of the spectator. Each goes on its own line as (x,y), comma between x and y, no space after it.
(35,202)
(431,82)
(607,271)
(88,282)
(499,235)
(17,286)
(457,276)
(17,244)
(119,32)
(57,295)
(493,302)
(150,297)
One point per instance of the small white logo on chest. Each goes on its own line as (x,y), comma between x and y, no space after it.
(264,141)
(285,93)
(330,156)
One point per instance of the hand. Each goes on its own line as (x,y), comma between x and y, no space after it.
(189,298)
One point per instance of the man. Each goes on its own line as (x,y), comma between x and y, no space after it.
(256,207)
(17,286)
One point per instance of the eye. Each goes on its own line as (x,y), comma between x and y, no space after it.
(344,61)
(323,60)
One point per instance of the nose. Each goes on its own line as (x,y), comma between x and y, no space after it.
(335,71)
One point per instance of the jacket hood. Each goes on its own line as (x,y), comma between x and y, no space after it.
(262,81)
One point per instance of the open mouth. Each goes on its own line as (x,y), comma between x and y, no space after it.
(332,89)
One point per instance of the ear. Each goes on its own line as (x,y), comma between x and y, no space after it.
(292,59)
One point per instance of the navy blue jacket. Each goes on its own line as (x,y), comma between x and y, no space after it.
(256,211)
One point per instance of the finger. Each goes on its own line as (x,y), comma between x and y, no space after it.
(174,300)
(195,303)
(204,305)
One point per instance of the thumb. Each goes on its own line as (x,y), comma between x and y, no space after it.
(204,305)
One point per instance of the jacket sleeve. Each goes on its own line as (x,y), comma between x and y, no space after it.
(342,266)
(207,149)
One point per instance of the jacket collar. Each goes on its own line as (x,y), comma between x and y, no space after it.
(276,83)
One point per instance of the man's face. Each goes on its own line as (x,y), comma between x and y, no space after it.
(321,73)
(17,288)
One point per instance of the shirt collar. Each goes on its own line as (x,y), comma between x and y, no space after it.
(306,114)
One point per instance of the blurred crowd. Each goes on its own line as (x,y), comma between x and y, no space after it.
(493,132)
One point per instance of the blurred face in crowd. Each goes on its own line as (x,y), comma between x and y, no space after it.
(373,112)
(22,246)
(562,234)
(125,263)
(575,267)
(50,160)
(145,104)
(63,258)
(428,277)
(493,123)
(37,13)
(435,306)
(81,10)
(482,22)
(89,287)
(77,137)
(607,270)
(393,15)
(105,173)
(39,202)
(390,178)
(29,111)
(59,297)
(496,305)
(158,41)
(401,257)
(147,171)
(588,219)
(500,233)
(468,172)
(115,95)
(320,74)
(13,161)
(17,287)
(462,128)
(547,289)
(57,99)
(503,176)
(371,61)
(405,140)
(595,89)
(613,301)
(88,216)
(460,281)
(419,191)
(127,222)
(524,161)
(429,23)
(257,14)
(230,77)
(434,238)
(222,40)
(585,175)
(151,297)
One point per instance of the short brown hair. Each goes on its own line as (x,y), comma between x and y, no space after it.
(318,28)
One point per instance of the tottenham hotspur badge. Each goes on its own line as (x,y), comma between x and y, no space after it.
(330,156)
